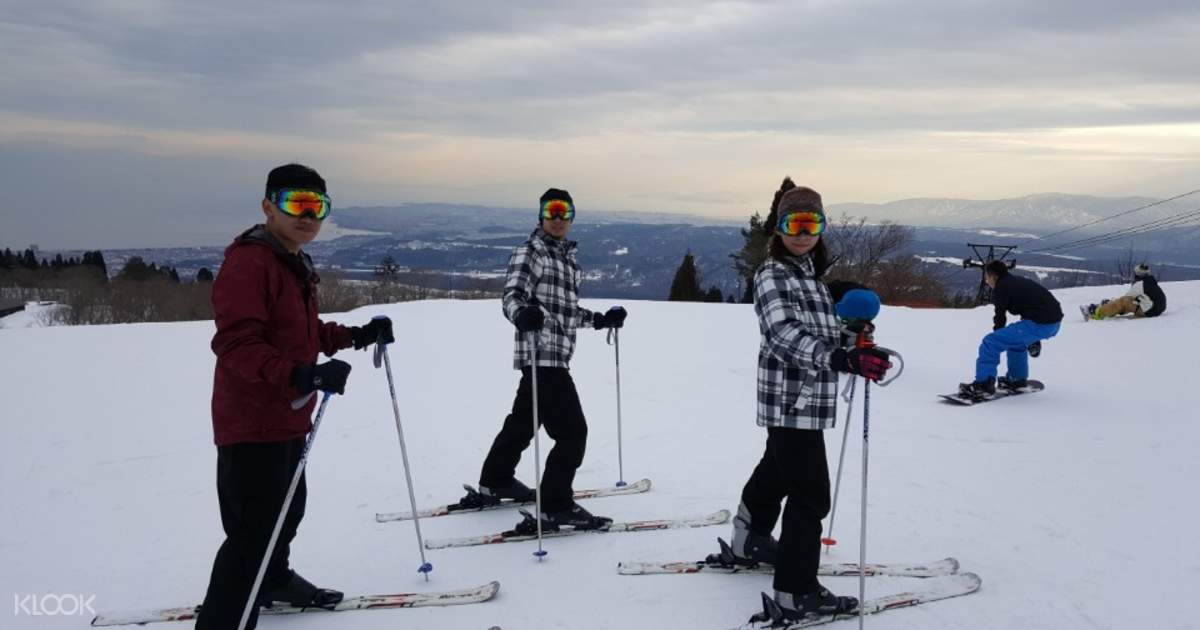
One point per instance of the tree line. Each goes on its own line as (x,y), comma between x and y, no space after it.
(874,255)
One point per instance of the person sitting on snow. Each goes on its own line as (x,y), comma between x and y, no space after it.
(1041,317)
(1143,299)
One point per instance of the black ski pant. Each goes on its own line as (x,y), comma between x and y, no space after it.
(252,480)
(560,413)
(793,467)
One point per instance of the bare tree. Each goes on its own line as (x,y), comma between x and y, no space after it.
(1125,263)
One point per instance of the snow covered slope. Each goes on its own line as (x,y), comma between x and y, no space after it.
(1077,505)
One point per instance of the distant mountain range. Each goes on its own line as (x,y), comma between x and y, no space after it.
(635,255)
(1039,213)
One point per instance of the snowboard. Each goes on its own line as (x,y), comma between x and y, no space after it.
(1001,392)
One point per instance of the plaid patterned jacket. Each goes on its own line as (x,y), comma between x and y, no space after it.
(797,388)
(542,271)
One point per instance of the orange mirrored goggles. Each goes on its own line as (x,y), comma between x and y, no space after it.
(558,209)
(296,202)
(797,223)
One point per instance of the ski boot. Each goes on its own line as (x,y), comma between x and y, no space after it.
(1013,386)
(978,390)
(301,593)
(749,549)
(489,497)
(576,517)
(788,608)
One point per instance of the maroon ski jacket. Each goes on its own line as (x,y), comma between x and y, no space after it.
(265,303)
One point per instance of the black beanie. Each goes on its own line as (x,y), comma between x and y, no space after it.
(555,193)
(997,268)
(294,176)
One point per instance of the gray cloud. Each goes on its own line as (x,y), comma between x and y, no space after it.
(447,99)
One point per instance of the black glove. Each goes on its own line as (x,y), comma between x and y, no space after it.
(867,362)
(613,318)
(327,377)
(1035,349)
(378,329)
(529,318)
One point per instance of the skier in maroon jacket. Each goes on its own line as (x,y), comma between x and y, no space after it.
(267,340)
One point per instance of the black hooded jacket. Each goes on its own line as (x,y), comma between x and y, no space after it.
(1024,297)
(1155,293)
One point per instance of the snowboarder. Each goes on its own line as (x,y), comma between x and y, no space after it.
(267,340)
(541,295)
(800,355)
(1144,299)
(1041,317)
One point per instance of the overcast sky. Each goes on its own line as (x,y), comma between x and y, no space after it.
(145,123)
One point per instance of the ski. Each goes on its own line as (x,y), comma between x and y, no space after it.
(454,508)
(367,602)
(931,590)
(716,518)
(1001,392)
(948,566)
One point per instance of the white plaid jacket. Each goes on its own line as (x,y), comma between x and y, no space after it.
(542,271)
(797,388)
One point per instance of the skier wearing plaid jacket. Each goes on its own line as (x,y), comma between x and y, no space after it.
(800,355)
(541,298)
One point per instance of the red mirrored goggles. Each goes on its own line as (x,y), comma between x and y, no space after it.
(798,223)
(558,209)
(296,202)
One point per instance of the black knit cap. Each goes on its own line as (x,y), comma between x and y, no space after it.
(294,176)
(555,193)
(997,268)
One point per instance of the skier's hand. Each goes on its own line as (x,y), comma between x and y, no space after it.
(529,318)
(328,377)
(613,318)
(867,362)
(378,329)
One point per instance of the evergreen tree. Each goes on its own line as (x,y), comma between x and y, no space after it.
(173,274)
(136,269)
(754,249)
(29,260)
(204,275)
(686,285)
(7,260)
(387,269)
(98,262)
(714,295)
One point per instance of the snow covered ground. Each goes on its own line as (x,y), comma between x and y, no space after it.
(1074,504)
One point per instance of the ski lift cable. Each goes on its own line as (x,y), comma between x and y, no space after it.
(1109,218)
(1135,229)
(1183,220)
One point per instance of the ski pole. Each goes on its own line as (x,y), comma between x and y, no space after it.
(537,451)
(614,338)
(287,502)
(381,350)
(829,541)
(862,544)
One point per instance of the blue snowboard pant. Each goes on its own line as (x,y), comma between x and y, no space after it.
(1014,339)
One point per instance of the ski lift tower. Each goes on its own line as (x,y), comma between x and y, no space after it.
(981,260)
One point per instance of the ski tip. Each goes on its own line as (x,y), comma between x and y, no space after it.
(722,516)
(954,565)
(971,579)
